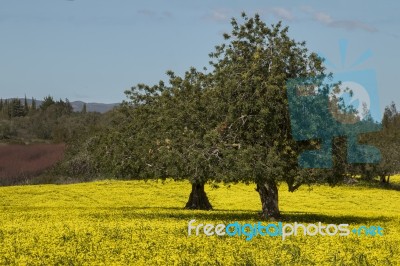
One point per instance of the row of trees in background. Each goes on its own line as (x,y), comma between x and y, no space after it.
(228,125)
(10,108)
(388,142)
(28,121)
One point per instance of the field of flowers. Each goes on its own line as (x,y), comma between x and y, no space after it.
(143,223)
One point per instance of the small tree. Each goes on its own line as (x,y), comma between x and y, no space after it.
(16,109)
(47,102)
(26,106)
(6,107)
(83,111)
(33,106)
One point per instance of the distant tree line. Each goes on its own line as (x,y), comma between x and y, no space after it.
(10,108)
(388,142)
(51,121)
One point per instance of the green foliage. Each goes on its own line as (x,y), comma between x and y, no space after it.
(33,106)
(249,99)
(13,108)
(47,102)
(84,109)
(388,141)
(81,132)
(161,131)
(53,121)
(182,147)
(7,130)
(26,106)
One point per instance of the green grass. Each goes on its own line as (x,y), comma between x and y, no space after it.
(134,222)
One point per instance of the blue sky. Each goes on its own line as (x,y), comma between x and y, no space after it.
(93,50)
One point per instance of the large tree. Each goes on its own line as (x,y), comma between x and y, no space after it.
(189,152)
(250,74)
(162,131)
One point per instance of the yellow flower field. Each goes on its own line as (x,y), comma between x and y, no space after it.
(143,223)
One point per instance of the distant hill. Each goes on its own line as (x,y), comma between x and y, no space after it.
(93,107)
(77,106)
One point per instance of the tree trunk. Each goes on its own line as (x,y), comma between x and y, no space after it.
(385,179)
(198,198)
(268,192)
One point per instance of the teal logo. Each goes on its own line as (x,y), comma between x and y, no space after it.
(344,105)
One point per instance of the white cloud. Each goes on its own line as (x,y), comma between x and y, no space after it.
(224,14)
(323,17)
(283,13)
(352,25)
(219,15)
(327,20)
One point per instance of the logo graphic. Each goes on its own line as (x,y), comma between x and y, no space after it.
(324,107)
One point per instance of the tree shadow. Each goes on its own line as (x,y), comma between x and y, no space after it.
(389,186)
(378,185)
(229,216)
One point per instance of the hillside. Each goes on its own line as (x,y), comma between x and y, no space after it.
(93,107)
